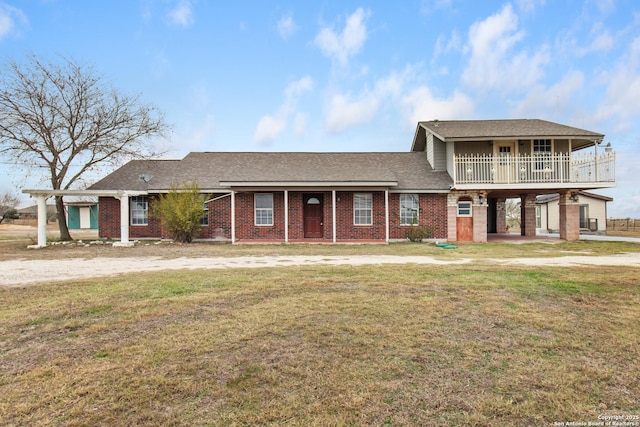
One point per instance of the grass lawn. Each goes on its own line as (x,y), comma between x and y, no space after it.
(474,344)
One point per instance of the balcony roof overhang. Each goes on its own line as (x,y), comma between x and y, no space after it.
(532,187)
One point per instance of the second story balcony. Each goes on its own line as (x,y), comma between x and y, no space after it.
(549,170)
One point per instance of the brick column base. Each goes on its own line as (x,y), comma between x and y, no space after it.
(480,223)
(528,215)
(452,212)
(569,218)
(501,216)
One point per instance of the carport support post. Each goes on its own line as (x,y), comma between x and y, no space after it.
(42,221)
(124,222)
(233,216)
(333,214)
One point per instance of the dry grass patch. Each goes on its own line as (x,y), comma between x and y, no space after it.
(19,250)
(392,345)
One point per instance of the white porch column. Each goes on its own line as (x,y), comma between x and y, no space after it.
(333,214)
(124,222)
(286,216)
(386,215)
(42,222)
(233,216)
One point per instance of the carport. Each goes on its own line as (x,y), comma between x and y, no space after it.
(41,197)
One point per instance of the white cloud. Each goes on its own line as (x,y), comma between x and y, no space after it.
(297,88)
(553,102)
(493,63)
(429,6)
(444,45)
(286,27)
(344,112)
(421,105)
(529,6)
(270,126)
(9,18)
(341,46)
(604,41)
(623,89)
(181,15)
(194,132)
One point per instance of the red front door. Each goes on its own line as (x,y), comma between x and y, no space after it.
(313,221)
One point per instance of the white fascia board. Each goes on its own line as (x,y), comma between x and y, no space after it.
(536,186)
(105,193)
(315,184)
(422,191)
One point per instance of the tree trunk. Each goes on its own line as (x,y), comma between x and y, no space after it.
(62,220)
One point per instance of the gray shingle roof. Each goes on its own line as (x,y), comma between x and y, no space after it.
(515,128)
(211,171)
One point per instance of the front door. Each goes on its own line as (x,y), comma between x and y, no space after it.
(313,218)
(464,221)
(505,153)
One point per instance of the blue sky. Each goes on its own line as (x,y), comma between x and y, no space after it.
(350,76)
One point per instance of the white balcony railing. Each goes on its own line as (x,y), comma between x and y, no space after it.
(561,168)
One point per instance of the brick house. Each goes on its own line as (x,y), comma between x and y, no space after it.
(454,181)
(288,197)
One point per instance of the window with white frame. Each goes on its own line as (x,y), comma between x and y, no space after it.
(205,215)
(465,208)
(362,209)
(139,206)
(538,216)
(542,150)
(409,209)
(263,208)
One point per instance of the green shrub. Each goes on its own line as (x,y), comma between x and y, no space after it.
(181,211)
(418,232)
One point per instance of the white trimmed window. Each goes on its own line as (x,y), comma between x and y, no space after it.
(139,206)
(542,150)
(465,208)
(409,209)
(263,208)
(362,209)
(205,215)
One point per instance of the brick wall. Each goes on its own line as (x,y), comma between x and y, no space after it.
(109,218)
(245,222)
(109,222)
(219,218)
(347,230)
(432,214)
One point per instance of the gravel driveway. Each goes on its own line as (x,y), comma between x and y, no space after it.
(21,272)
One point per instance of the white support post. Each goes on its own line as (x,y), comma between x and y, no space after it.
(286,216)
(124,223)
(42,222)
(233,217)
(386,214)
(333,214)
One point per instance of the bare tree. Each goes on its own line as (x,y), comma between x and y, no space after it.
(64,118)
(512,207)
(8,206)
